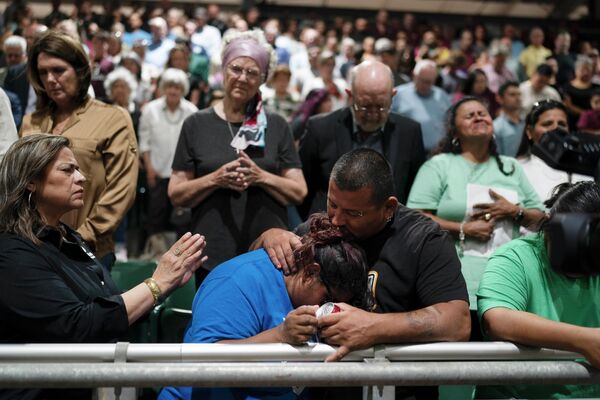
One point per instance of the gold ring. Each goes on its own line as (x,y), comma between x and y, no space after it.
(487,216)
(177,251)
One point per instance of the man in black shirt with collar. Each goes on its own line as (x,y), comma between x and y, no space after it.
(366,123)
(415,274)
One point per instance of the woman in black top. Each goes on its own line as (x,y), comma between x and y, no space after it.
(235,165)
(52,288)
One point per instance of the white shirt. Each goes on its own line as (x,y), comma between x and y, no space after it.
(529,97)
(8,130)
(159,131)
(544,178)
(317,83)
(209,38)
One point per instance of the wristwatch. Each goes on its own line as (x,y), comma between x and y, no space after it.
(519,217)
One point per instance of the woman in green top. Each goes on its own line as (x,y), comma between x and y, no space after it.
(523,299)
(460,188)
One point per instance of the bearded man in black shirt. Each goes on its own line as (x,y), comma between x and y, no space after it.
(415,276)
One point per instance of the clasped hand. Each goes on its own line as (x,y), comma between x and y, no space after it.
(239,174)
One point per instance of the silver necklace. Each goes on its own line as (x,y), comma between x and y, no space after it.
(230,129)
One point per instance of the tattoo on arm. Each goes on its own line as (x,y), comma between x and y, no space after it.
(423,321)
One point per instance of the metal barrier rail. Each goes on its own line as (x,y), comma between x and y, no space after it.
(212,365)
(188,352)
(295,374)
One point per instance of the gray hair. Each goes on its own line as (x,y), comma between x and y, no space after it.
(16,41)
(423,64)
(26,160)
(583,60)
(258,36)
(174,76)
(121,74)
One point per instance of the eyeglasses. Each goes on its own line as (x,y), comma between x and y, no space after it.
(237,71)
(371,109)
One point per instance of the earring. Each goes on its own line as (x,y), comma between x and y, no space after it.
(389,219)
(31,206)
(455,142)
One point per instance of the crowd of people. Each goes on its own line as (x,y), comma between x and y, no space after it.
(404,148)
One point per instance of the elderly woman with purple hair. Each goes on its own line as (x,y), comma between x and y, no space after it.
(235,165)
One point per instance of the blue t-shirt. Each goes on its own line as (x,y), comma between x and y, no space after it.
(238,299)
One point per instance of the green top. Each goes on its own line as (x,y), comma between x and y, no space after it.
(518,276)
(441,185)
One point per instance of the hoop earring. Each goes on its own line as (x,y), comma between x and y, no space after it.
(31,207)
(455,143)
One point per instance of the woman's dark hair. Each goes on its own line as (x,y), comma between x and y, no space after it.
(580,197)
(343,264)
(61,46)
(532,118)
(311,104)
(467,87)
(26,160)
(450,143)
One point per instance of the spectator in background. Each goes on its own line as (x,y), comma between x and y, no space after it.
(206,39)
(135,31)
(345,60)
(143,93)
(509,125)
(55,16)
(16,81)
(538,88)
(301,76)
(234,194)
(335,86)
(102,137)
(15,50)
(464,44)
(565,60)
(318,101)
(432,49)
(8,129)
(120,87)
(589,121)
(535,54)
(303,60)
(158,49)
(366,123)
(523,299)
(480,41)
(386,53)
(271,29)
(160,125)
(578,92)
(423,102)
(545,116)
(496,71)
(511,38)
(101,63)
(476,85)
(213,13)
(453,74)
(382,28)
(277,98)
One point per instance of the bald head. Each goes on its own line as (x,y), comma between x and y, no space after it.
(372,86)
(372,76)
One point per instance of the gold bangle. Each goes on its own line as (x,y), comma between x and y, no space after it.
(154,289)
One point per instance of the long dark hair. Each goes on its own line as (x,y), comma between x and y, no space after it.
(532,118)
(450,143)
(309,107)
(343,264)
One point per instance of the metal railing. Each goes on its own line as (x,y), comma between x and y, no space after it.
(254,365)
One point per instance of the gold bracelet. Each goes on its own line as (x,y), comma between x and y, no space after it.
(154,289)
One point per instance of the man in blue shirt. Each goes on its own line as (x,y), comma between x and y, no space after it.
(423,102)
(509,125)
